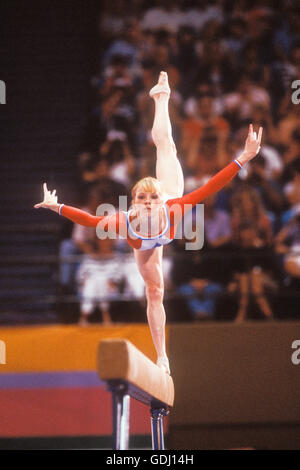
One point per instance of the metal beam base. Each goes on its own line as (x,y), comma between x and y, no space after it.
(120,413)
(157,416)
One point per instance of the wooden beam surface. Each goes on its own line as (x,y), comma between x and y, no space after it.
(120,360)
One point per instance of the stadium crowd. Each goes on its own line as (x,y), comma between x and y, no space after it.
(230,63)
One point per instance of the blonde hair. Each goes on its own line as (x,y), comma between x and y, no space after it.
(147,184)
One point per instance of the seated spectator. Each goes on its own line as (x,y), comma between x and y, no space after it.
(260,31)
(115,151)
(194,93)
(81,242)
(165,15)
(217,225)
(100,121)
(185,57)
(287,29)
(269,191)
(198,14)
(288,244)
(247,208)
(99,280)
(291,158)
(200,161)
(126,45)
(116,75)
(269,153)
(292,188)
(96,172)
(215,65)
(234,39)
(113,19)
(206,124)
(252,267)
(240,104)
(285,134)
(201,296)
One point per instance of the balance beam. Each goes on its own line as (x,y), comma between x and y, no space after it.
(129,373)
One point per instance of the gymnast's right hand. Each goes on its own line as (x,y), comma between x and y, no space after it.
(50,200)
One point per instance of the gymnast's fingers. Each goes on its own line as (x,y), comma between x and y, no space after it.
(251,131)
(260,135)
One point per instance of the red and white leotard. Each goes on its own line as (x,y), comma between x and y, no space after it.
(175,209)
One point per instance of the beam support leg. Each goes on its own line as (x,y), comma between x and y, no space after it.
(120,413)
(157,416)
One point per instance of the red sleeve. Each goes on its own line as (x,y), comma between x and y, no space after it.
(81,217)
(214,185)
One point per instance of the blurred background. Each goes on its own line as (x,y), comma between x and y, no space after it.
(78,116)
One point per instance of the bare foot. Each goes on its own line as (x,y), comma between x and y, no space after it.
(162,87)
(163,363)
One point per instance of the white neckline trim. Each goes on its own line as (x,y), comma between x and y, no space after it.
(149,238)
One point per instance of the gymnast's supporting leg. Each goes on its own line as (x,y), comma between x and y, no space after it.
(168,167)
(149,263)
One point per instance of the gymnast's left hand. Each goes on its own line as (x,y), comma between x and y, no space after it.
(50,200)
(252,145)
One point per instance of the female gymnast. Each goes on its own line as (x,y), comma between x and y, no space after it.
(157,207)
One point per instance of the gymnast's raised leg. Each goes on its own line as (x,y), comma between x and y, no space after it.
(168,167)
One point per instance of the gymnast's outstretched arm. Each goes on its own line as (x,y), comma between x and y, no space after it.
(112,223)
(179,206)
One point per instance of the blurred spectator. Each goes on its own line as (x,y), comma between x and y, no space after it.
(113,18)
(288,244)
(99,280)
(198,14)
(240,104)
(186,53)
(164,15)
(292,157)
(235,37)
(100,121)
(260,30)
(287,29)
(201,296)
(215,65)
(99,172)
(292,188)
(127,45)
(285,133)
(116,75)
(247,208)
(217,226)
(206,124)
(81,242)
(116,152)
(251,265)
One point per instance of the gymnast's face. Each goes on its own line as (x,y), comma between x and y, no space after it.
(148,214)
(148,202)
